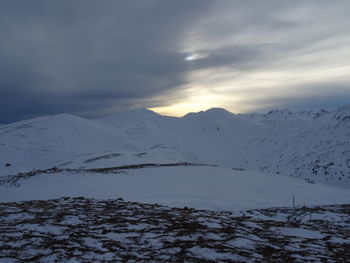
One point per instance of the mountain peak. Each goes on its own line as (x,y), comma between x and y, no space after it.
(213,112)
(218,110)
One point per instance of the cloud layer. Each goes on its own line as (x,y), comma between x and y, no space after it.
(93,58)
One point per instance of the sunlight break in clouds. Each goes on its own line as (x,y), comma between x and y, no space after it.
(253,62)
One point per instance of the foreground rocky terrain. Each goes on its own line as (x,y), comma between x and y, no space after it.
(91,230)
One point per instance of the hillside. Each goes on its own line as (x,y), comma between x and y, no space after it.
(313,146)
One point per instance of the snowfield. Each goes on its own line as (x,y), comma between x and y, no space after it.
(201,187)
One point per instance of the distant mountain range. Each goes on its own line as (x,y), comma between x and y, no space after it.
(311,145)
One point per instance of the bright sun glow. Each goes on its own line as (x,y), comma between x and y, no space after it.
(190,57)
(195,100)
(246,92)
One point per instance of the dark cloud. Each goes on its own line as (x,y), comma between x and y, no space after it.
(98,57)
(63,55)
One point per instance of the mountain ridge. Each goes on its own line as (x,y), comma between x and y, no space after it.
(311,145)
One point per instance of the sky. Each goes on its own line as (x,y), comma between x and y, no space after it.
(97,58)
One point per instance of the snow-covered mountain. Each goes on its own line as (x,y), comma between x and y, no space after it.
(314,146)
(310,145)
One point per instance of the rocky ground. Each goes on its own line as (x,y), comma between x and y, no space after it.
(91,230)
(14,180)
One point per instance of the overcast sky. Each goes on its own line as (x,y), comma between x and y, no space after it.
(94,58)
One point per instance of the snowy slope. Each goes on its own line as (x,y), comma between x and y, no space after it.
(41,142)
(313,146)
(68,141)
(200,187)
(215,136)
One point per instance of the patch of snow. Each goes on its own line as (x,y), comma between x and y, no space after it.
(299,232)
